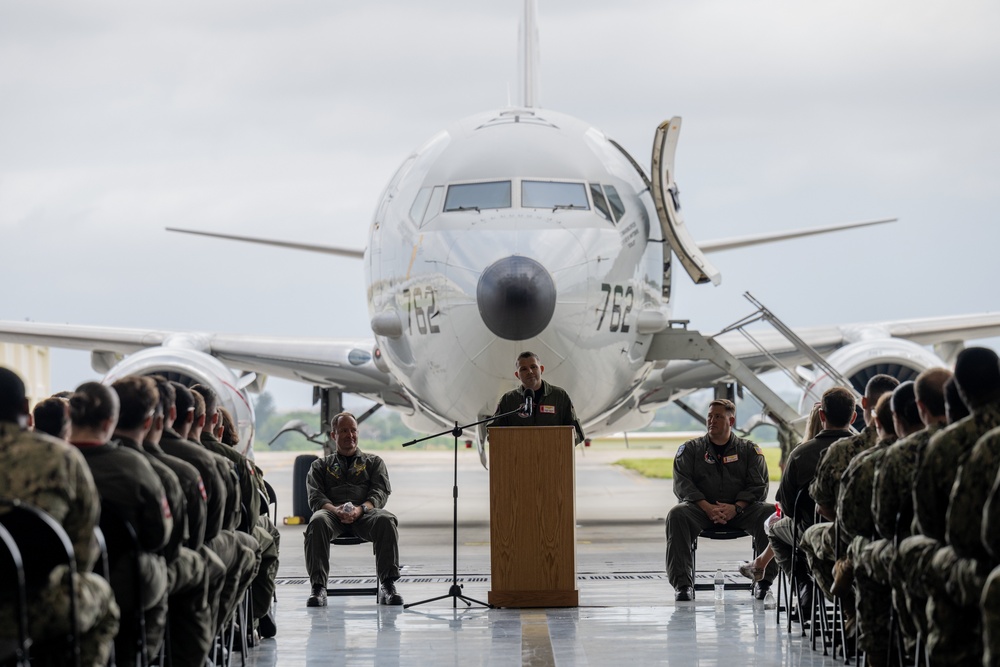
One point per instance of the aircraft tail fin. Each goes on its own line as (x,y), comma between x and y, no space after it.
(757,239)
(528,55)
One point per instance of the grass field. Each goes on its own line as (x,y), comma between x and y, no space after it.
(663,468)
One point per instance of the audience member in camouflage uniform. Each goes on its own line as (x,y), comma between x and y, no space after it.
(953,636)
(818,541)
(895,416)
(53,476)
(892,500)
(990,601)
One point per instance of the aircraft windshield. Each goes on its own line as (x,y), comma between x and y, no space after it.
(477,196)
(547,194)
(617,206)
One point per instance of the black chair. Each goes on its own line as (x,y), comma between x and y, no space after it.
(123,551)
(44,545)
(788,586)
(348,538)
(719,533)
(12,570)
(272,501)
(847,646)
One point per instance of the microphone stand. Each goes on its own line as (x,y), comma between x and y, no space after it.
(455,592)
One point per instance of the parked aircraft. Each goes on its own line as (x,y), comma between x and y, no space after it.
(518,228)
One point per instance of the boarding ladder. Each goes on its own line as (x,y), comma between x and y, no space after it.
(685,344)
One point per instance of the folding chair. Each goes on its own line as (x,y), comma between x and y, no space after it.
(123,551)
(788,586)
(720,533)
(348,538)
(12,569)
(44,545)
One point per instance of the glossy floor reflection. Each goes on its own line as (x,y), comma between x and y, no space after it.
(634,622)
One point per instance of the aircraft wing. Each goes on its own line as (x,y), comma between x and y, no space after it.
(345,364)
(679,377)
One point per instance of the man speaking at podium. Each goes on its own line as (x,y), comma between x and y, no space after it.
(540,403)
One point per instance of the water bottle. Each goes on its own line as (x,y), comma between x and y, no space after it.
(769,601)
(720,585)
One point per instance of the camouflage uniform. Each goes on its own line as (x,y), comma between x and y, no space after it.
(53,476)
(892,507)
(960,569)
(825,487)
(337,479)
(990,605)
(953,634)
(129,486)
(799,473)
(817,541)
(854,512)
(990,602)
(740,473)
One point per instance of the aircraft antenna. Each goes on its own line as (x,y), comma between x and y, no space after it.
(528,55)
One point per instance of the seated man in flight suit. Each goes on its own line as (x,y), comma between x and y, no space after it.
(720,480)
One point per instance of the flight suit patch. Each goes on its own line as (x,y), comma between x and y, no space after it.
(757,449)
(547,409)
(733,458)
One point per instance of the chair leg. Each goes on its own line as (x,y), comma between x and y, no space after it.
(694,560)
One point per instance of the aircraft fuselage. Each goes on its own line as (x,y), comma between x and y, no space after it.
(520,229)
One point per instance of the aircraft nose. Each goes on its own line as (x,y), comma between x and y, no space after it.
(516,298)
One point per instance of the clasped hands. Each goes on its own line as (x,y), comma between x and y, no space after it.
(720,512)
(346,513)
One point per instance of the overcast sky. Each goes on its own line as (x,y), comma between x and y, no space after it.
(286,120)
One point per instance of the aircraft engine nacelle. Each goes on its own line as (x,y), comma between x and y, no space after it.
(190,367)
(858,362)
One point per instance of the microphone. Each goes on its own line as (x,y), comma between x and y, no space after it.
(528,399)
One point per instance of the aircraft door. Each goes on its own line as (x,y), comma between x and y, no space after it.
(668,208)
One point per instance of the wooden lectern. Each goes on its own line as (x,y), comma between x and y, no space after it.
(533,517)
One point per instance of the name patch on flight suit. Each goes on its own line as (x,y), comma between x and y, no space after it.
(547,409)
(731,459)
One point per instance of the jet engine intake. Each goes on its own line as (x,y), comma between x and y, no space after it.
(859,362)
(190,367)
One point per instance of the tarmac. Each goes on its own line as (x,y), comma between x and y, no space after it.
(626,611)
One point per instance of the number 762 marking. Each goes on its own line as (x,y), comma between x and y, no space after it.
(619,297)
(421,305)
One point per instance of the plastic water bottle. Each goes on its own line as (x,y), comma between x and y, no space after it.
(720,585)
(769,601)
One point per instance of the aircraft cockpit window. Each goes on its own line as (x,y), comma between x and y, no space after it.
(554,195)
(600,203)
(420,205)
(477,196)
(617,207)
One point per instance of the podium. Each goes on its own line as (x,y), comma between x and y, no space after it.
(533,517)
